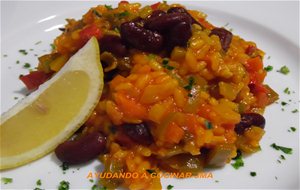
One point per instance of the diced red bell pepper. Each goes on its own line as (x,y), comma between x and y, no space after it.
(34,79)
(250,50)
(124,2)
(90,31)
(155,6)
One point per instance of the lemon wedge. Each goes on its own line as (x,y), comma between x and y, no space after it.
(38,123)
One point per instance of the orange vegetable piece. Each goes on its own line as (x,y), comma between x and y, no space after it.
(174,133)
(130,107)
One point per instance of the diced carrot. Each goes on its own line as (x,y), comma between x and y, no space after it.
(174,133)
(254,64)
(262,99)
(130,107)
(116,81)
(191,123)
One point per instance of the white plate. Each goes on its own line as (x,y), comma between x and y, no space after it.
(274,26)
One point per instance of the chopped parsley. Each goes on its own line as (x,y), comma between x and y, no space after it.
(279,161)
(26,65)
(295,111)
(64,166)
(169,187)
(123,14)
(36,43)
(23,51)
(286,150)
(253,174)
(6,180)
(282,157)
(95,187)
(283,103)
(91,180)
(108,7)
(151,171)
(39,182)
(95,12)
(238,161)
(52,46)
(268,68)
(166,65)
(208,124)
(217,181)
(284,70)
(190,84)
(293,129)
(64,185)
(287,90)
(17,62)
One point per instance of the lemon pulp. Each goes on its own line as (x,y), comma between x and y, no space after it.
(51,114)
(39,120)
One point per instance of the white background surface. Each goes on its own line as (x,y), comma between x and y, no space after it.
(273,25)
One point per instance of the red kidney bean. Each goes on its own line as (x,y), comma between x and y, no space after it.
(249,119)
(180,34)
(113,44)
(166,22)
(184,11)
(225,37)
(141,38)
(139,133)
(82,150)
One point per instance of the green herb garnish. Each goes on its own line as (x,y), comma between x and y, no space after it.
(95,12)
(6,180)
(64,185)
(151,171)
(283,103)
(208,124)
(190,85)
(17,62)
(123,14)
(295,111)
(64,166)
(109,7)
(268,68)
(282,157)
(238,161)
(52,46)
(165,64)
(253,174)
(95,187)
(287,90)
(169,187)
(36,43)
(91,180)
(284,70)
(26,65)
(23,51)
(283,149)
(293,129)
(39,182)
